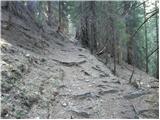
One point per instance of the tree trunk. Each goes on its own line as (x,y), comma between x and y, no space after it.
(127,5)
(145,30)
(60,16)
(114,48)
(93,43)
(157,35)
(49,13)
(84,27)
(114,44)
(113,36)
(9,17)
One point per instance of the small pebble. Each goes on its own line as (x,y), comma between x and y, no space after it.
(141,83)
(27,55)
(64,104)
(87,80)
(148,85)
(36,93)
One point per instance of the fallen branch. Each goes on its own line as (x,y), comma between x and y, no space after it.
(130,79)
(101,51)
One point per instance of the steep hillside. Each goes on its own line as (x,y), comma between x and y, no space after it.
(45,75)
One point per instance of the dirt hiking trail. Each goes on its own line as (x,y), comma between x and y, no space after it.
(45,75)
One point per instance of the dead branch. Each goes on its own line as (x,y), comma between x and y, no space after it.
(152,52)
(144,23)
(101,51)
(138,5)
(151,12)
(130,79)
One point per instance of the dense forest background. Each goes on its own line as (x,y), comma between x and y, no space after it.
(124,31)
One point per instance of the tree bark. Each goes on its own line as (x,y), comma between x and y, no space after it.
(93,43)
(113,31)
(114,45)
(127,5)
(84,27)
(49,13)
(157,35)
(60,16)
(145,32)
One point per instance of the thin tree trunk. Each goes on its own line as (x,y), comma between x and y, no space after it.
(81,23)
(10,18)
(126,8)
(84,26)
(49,13)
(114,44)
(113,38)
(114,48)
(145,30)
(130,79)
(60,17)
(157,34)
(93,44)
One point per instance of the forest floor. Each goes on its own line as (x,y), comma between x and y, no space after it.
(50,77)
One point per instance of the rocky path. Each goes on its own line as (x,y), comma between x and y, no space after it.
(66,81)
(74,84)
